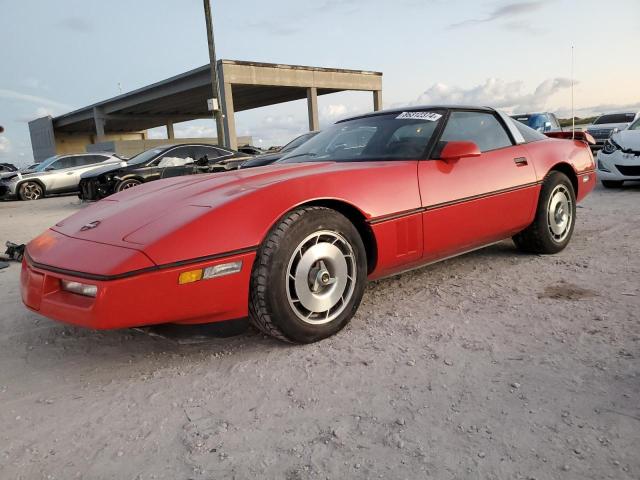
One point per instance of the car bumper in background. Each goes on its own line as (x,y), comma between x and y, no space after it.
(618,166)
(149,298)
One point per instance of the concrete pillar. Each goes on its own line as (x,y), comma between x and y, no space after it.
(377,100)
(170,134)
(312,106)
(230,139)
(98,118)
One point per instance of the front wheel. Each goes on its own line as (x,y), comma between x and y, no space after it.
(309,276)
(126,184)
(555,217)
(30,191)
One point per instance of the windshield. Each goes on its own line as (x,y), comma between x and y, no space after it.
(393,136)
(635,125)
(615,118)
(534,121)
(42,166)
(296,142)
(145,156)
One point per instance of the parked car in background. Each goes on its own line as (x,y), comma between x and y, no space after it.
(542,122)
(57,174)
(606,125)
(269,158)
(156,163)
(7,167)
(619,158)
(250,150)
(292,245)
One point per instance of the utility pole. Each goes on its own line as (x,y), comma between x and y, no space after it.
(213,65)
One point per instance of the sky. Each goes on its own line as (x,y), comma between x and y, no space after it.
(56,56)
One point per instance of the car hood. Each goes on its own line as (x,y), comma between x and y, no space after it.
(140,217)
(110,167)
(628,139)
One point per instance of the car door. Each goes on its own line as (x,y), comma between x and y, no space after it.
(84,163)
(177,162)
(474,201)
(60,174)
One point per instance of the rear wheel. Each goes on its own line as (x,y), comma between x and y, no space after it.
(612,183)
(555,217)
(30,191)
(309,276)
(126,184)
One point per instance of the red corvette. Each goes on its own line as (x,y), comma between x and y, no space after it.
(291,245)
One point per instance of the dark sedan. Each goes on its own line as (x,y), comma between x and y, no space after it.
(160,162)
(269,158)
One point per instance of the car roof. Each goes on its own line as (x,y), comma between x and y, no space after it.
(418,108)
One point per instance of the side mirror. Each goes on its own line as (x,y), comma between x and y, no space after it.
(49,169)
(456,150)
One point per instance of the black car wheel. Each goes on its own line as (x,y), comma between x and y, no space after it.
(555,217)
(30,191)
(308,277)
(126,184)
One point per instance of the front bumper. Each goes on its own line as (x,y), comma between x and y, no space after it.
(7,190)
(94,189)
(618,166)
(149,298)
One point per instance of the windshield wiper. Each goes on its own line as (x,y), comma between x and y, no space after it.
(308,154)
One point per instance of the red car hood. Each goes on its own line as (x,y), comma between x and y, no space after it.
(140,216)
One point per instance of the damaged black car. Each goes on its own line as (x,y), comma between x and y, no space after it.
(156,163)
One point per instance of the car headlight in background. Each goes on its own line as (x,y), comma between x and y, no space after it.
(79,288)
(610,146)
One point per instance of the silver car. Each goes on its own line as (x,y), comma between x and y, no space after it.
(57,174)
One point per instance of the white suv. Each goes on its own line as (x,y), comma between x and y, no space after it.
(619,159)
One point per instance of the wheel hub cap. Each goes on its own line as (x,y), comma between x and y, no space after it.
(321,277)
(559,213)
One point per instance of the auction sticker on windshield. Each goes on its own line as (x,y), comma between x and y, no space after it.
(431,116)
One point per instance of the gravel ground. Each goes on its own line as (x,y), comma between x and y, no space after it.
(491,365)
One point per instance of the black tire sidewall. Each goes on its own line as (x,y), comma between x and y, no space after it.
(277,302)
(24,184)
(551,182)
(119,187)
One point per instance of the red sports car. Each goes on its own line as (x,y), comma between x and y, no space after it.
(291,245)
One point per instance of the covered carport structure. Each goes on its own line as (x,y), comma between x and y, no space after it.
(243,86)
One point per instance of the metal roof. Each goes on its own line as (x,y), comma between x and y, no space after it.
(184,97)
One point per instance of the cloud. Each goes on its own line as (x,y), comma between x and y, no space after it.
(5,146)
(273,27)
(496,93)
(75,24)
(504,12)
(25,97)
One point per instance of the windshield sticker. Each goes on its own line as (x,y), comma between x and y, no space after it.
(432,117)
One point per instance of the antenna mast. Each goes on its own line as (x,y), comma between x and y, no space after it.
(573,114)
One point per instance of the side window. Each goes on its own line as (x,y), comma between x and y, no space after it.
(90,160)
(482,128)
(210,152)
(66,162)
(177,157)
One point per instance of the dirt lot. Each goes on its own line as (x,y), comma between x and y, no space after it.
(492,365)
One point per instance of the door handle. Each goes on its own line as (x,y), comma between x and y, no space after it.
(520,161)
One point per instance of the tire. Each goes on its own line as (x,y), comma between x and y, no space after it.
(127,184)
(611,183)
(555,217)
(30,191)
(308,277)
